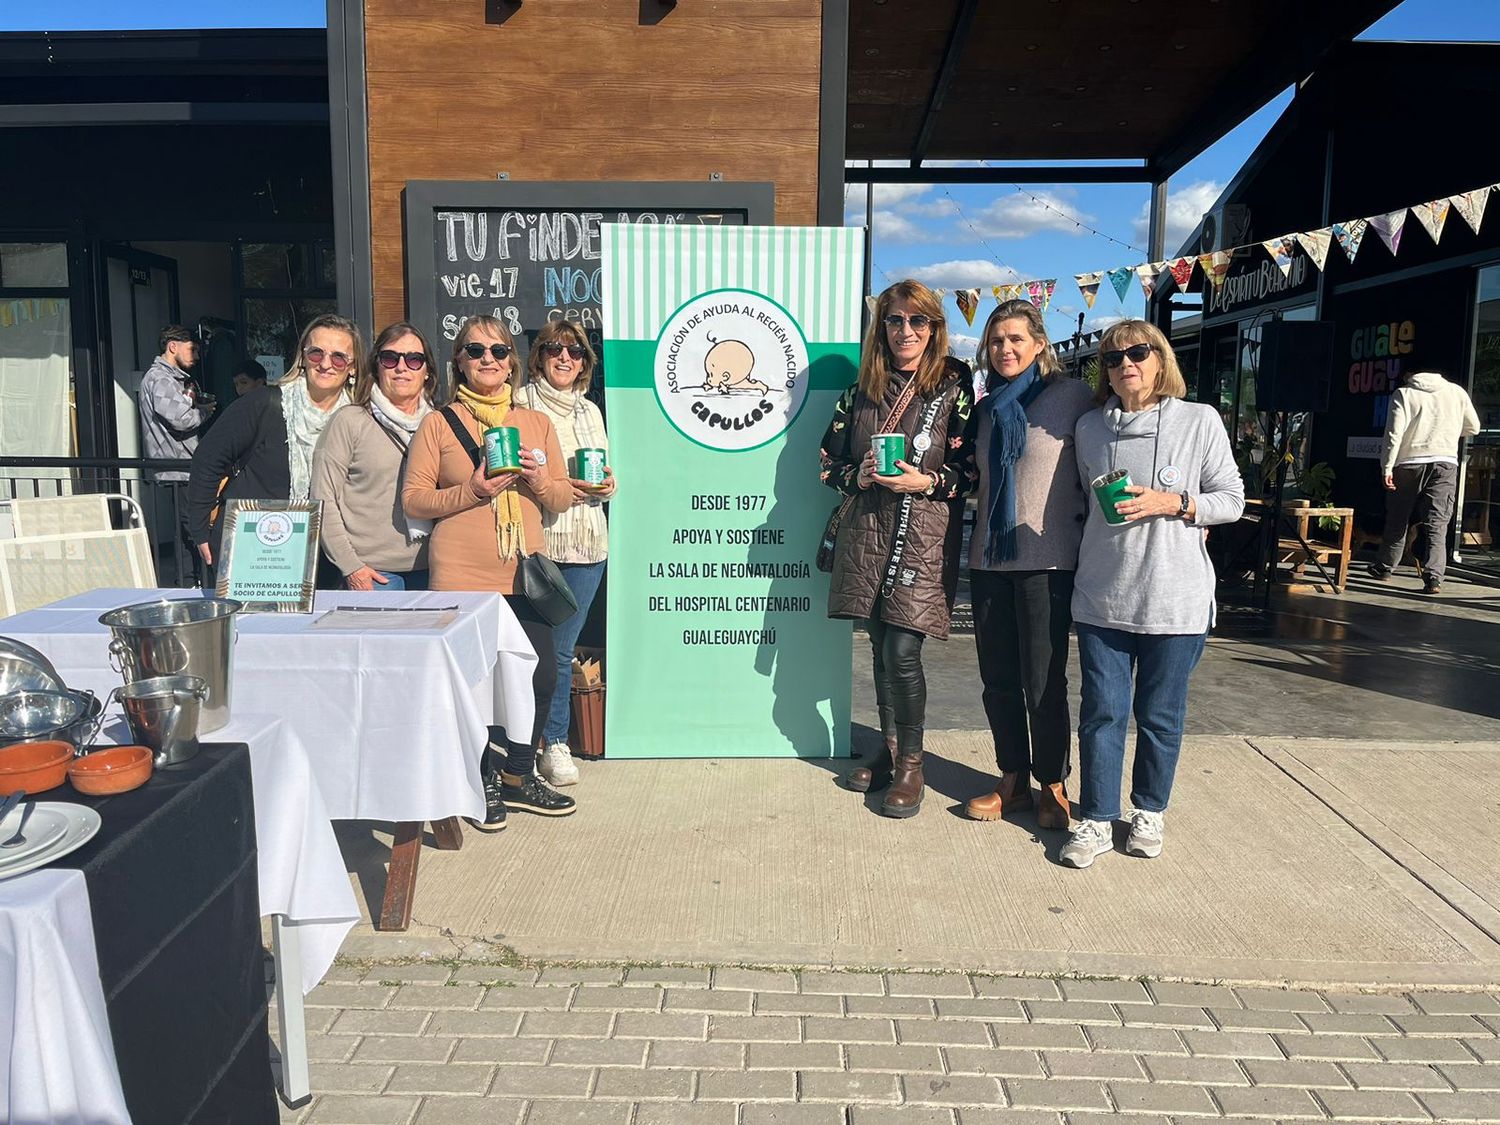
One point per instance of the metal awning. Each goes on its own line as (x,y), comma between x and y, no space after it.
(1145,83)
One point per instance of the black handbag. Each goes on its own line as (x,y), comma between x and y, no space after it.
(538,579)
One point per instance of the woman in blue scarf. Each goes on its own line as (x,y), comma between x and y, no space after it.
(1022,557)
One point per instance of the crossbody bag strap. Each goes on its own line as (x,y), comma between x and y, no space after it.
(394,440)
(891,419)
(903,517)
(465,439)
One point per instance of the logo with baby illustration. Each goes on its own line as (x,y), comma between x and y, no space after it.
(731,369)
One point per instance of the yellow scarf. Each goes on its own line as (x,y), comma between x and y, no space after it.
(493,410)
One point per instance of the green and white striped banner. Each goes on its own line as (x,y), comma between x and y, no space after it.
(725,348)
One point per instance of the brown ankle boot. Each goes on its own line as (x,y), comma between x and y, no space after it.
(877,775)
(1013,794)
(1052,810)
(905,796)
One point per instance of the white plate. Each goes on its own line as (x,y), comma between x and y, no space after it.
(81,823)
(43,827)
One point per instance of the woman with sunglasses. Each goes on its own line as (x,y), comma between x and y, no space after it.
(264,442)
(558,372)
(895,559)
(485,524)
(359,462)
(1143,597)
(1021,560)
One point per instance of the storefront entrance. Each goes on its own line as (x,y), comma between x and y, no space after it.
(1479,546)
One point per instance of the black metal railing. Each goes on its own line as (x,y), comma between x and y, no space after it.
(163,503)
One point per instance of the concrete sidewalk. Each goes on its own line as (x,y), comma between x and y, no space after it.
(747,942)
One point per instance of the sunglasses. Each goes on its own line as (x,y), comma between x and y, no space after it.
(336,360)
(555,349)
(476,351)
(919,323)
(415,361)
(1136,353)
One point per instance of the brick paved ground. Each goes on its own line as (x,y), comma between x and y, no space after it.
(430,1044)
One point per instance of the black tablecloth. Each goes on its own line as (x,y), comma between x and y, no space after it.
(176,908)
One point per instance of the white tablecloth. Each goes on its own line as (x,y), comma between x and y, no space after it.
(393,722)
(57,1060)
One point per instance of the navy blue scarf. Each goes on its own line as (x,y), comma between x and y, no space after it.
(1007,405)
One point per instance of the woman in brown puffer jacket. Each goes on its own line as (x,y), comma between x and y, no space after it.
(895,563)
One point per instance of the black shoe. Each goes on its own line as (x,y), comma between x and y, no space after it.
(1430,587)
(535,796)
(1377,572)
(494,806)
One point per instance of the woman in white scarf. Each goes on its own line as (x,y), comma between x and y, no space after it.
(360,461)
(558,372)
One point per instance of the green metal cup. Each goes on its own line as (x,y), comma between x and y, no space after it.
(588,466)
(888,449)
(502,450)
(1109,490)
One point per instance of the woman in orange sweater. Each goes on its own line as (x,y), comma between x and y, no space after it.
(483,527)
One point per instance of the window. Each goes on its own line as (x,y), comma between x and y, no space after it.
(282,285)
(36,347)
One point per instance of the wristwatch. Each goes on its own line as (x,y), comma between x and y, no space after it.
(1183,511)
(932,484)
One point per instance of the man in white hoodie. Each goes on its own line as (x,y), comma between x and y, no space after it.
(1420,462)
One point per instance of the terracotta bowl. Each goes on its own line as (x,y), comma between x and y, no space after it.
(116,770)
(34,766)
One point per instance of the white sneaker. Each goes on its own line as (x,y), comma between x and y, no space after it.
(1145,834)
(1090,839)
(555,764)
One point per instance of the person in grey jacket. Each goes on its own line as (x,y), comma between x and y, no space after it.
(172,412)
(1027,528)
(1143,596)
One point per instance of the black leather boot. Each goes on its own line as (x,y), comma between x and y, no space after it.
(905,796)
(877,775)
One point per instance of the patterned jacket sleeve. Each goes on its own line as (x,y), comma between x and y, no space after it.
(839,467)
(959,475)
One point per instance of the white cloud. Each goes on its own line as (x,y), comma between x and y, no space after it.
(1101,321)
(886,195)
(963,346)
(944,208)
(1185,207)
(893,227)
(1018,216)
(969,274)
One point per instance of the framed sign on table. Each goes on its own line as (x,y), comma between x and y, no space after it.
(270,554)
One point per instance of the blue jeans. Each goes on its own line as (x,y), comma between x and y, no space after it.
(1161,664)
(398,580)
(583,579)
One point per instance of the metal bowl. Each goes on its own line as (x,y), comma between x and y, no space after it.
(23,668)
(27,716)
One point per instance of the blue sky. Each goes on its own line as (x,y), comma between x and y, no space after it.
(950,237)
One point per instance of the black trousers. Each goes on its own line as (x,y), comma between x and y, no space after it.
(900,683)
(1021,621)
(1424,494)
(520,756)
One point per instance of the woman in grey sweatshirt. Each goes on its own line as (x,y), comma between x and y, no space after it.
(1143,596)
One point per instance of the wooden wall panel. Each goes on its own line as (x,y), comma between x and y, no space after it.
(587,90)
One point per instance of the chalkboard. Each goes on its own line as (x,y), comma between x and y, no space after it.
(529,252)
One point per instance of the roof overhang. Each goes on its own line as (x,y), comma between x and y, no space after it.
(1149,83)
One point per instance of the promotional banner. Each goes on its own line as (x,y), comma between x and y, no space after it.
(727,348)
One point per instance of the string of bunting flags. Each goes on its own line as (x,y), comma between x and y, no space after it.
(1349,235)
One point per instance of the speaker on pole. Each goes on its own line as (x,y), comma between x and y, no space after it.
(1296,366)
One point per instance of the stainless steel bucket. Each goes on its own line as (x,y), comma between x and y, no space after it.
(163,715)
(192,637)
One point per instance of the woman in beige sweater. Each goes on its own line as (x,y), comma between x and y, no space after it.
(485,524)
(359,462)
(558,372)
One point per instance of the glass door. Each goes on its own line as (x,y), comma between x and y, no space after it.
(1479,543)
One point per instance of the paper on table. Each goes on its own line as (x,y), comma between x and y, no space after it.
(373,618)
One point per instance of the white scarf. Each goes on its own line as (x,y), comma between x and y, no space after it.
(304,425)
(403,428)
(579,533)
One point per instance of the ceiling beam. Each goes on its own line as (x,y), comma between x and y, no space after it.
(1017,174)
(958,38)
(1299,43)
